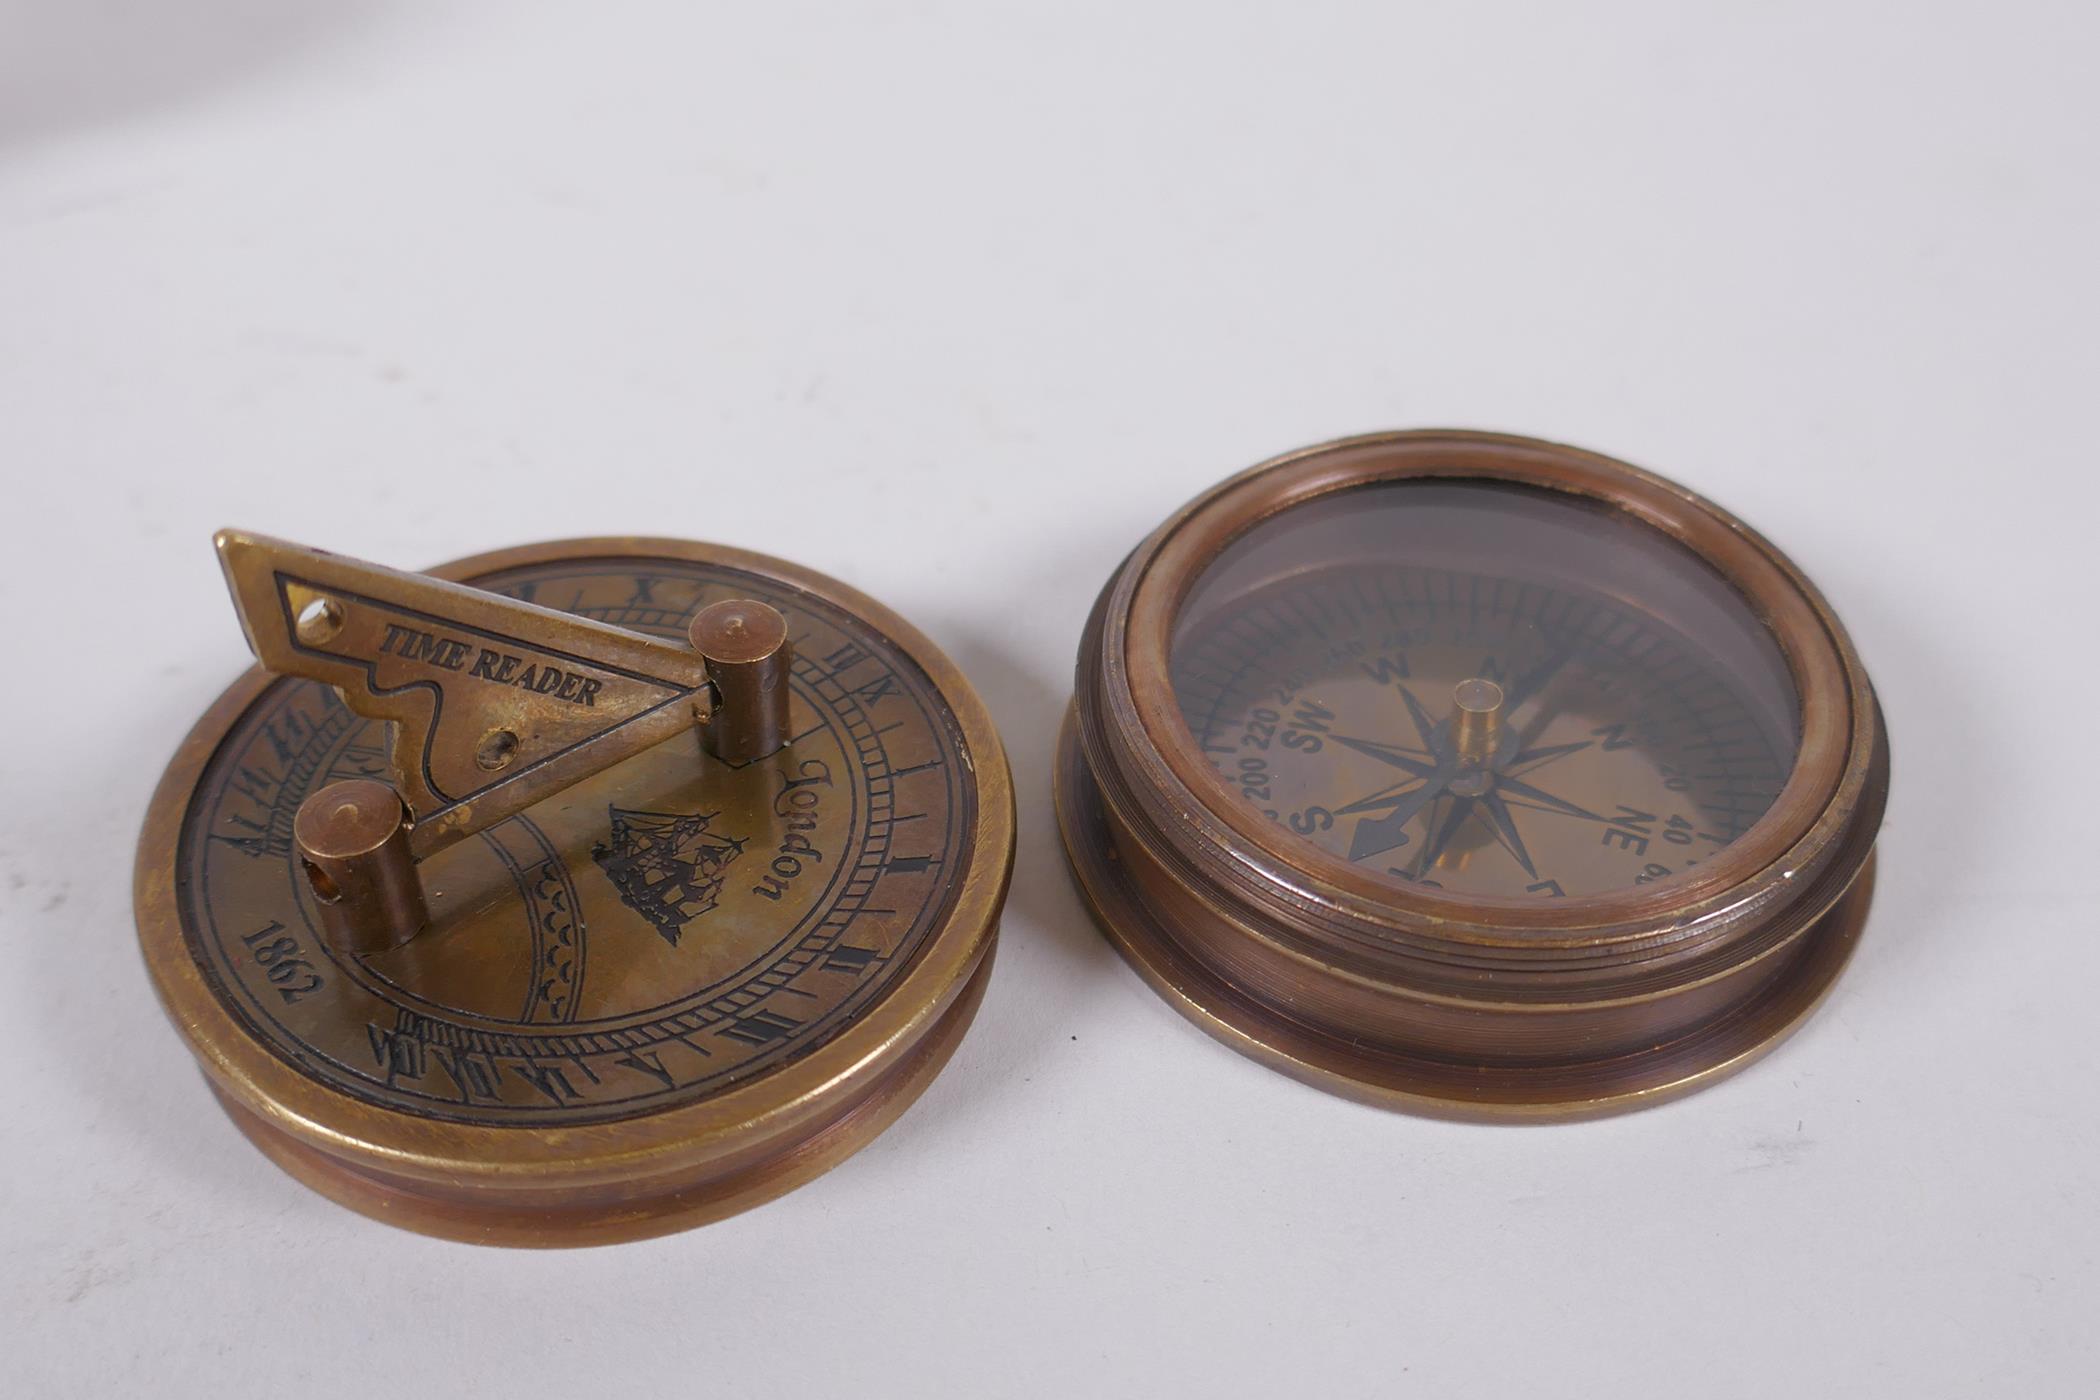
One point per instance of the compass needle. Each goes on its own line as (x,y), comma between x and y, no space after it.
(1529,759)
(1374,836)
(1504,825)
(1385,799)
(1425,727)
(1544,801)
(1408,760)
(1445,818)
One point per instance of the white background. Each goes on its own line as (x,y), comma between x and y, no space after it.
(970,296)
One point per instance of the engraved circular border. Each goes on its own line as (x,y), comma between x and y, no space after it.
(733,1136)
(267,1026)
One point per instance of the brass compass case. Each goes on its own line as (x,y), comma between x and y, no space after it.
(642,979)
(1473,775)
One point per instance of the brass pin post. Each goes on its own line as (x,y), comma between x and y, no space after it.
(353,844)
(744,643)
(1478,724)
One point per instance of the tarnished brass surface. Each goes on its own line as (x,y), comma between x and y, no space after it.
(745,646)
(665,991)
(352,840)
(494,702)
(1433,961)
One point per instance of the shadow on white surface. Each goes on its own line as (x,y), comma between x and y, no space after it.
(66,66)
(1944,736)
(125,1075)
(1028,708)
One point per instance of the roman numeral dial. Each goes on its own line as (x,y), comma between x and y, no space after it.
(663,922)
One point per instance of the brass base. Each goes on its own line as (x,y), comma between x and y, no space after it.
(639,1209)
(470,1083)
(1559,1091)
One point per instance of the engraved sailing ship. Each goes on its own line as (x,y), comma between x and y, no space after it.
(667,866)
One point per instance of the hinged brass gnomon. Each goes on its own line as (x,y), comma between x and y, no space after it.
(494,703)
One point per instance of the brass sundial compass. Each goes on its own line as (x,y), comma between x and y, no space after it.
(1474,775)
(575,892)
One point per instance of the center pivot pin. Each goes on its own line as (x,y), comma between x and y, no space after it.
(1477,723)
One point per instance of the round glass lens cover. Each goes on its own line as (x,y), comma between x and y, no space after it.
(1485,688)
